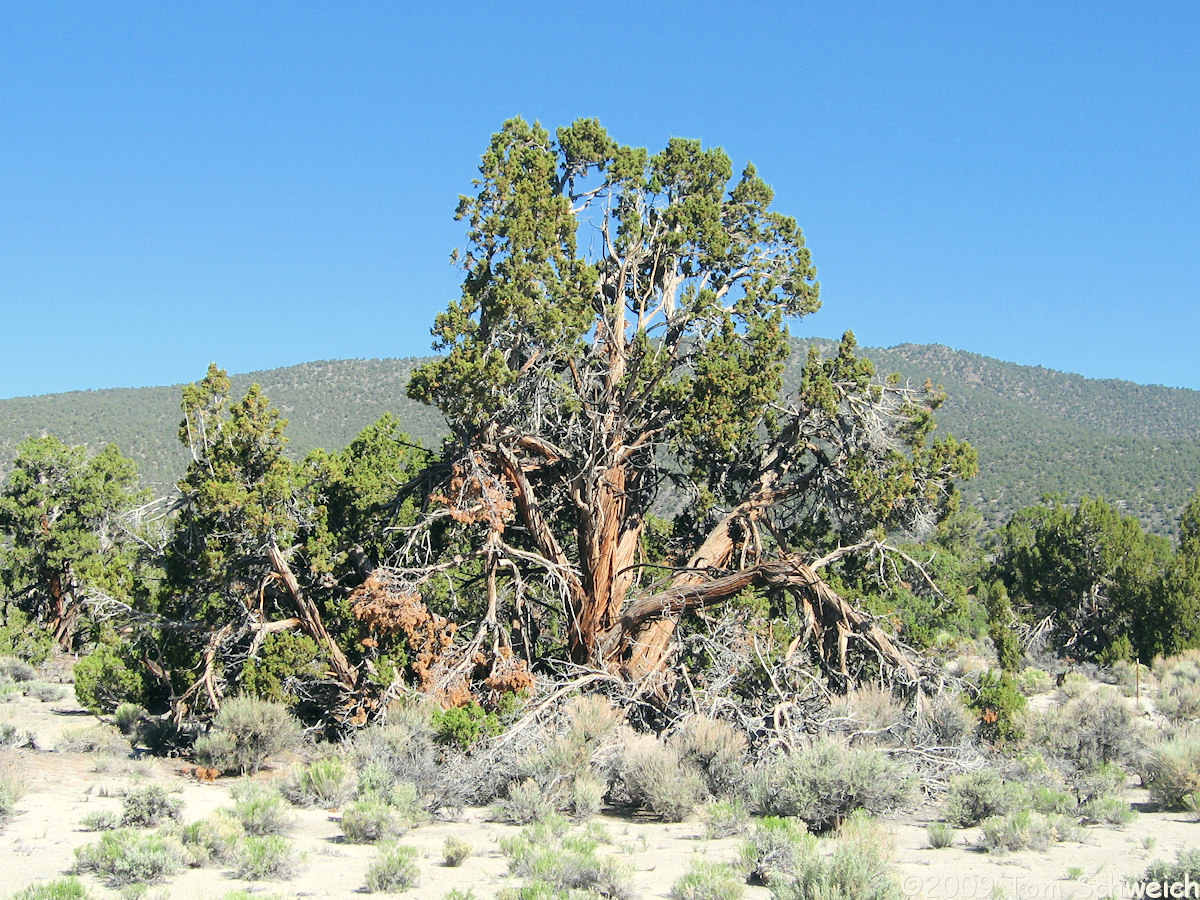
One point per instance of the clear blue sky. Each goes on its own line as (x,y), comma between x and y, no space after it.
(263,184)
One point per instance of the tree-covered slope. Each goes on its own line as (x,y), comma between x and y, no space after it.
(1037,431)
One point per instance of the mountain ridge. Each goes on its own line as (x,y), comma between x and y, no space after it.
(1037,430)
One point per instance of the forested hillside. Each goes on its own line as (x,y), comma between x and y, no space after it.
(1037,431)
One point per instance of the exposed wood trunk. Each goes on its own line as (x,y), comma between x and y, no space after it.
(834,621)
(310,620)
(610,543)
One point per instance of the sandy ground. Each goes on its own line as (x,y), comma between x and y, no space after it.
(38,842)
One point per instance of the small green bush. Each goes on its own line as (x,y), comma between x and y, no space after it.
(104,680)
(1033,681)
(394,870)
(126,856)
(43,692)
(454,851)
(725,818)
(403,750)
(325,783)
(212,839)
(1171,770)
(1089,730)
(705,880)
(126,717)
(464,726)
(10,792)
(1109,810)
(262,811)
(69,888)
(826,782)
(544,854)
(527,802)
(1021,830)
(869,714)
(99,739)
(149,806)
(15,669)
(940,834)
(267,856)
(976,796)
(857,869)
(587,795)
(1073,684)
(105,820)
(657,779)
(945,720)
(774,848)
(997,704)
(1185,868)
(716,750)
(370,821)
(245,734)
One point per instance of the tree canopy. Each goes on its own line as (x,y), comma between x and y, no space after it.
(622,329)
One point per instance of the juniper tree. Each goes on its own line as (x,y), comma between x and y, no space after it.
(68,519)
(622,328)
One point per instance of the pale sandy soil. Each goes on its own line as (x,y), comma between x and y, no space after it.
(61,788)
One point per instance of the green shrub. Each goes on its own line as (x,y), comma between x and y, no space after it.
(10,793)
(544,854)
(940,834)
(16,669)
(464,726)
(212,839)
(706,880)
(259,857)
(826,782)
(1172,769)
(126,856)
(656,779)
(1073,684)
(1185,868)
(869,714)
(370,821)
(283,659)
(394,870)
(716,750)
(245,734)
(148,806)
(99,739)
(43,692)
(857,869)
(454,851)
(403,750)
(773,850)
(100,820)
(997,704)
(104,680)
(1032,681)
(976,796)
(1109,810)
(725,818)
(527,802)
(587,795)
(11,737)
(325,783)
(262,811)
(126,717)
(1089,730)
(1020,830)
(69,888)
(945,720)
(21,637)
